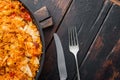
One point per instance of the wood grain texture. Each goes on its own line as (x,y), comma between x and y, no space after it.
(88,17)
(50,70)
(103,60)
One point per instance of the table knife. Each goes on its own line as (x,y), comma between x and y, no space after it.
(60,58)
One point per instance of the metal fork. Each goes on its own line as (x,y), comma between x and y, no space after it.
(74,46)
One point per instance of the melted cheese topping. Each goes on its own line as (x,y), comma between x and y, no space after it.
(20,44)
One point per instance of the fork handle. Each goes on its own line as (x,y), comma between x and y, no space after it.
(78,74)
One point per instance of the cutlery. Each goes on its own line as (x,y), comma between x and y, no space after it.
(60,58)
(74,46)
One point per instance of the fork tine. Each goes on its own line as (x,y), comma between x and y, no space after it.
(73,36)
(73,39)
(76,37)
(70,36)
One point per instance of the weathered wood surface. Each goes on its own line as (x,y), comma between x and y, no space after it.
(103,60)
(98,26)
(87,17)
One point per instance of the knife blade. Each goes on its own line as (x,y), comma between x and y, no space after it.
(60,58)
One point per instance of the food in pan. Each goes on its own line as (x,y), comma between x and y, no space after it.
(20,43)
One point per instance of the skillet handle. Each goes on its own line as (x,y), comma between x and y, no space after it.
(44,18)
(42,14)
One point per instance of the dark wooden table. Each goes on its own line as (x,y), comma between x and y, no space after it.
(98,26)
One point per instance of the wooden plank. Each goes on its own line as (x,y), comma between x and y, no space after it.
(57,10)
(88,17)
(50,70)
(88,24)
(104,55)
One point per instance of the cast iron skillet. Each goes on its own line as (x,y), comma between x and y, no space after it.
(36,22)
